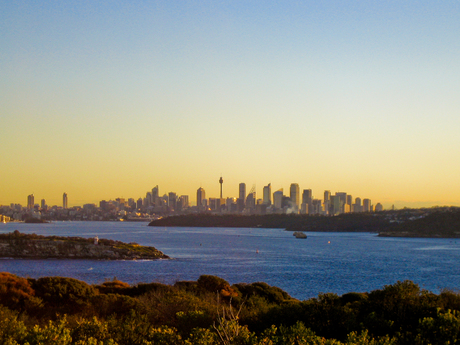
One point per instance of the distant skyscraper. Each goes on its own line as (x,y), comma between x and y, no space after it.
(327,201)
(172,198)
(30,201)
(342,202)
(43,204)
(185,202)
(267,195)
(366,205)
(278,198)
(307,201)
(251,199)
(155,195)
(306,196)
(64,200)
(200,196)
(357,207)
(242,194)
(294,194)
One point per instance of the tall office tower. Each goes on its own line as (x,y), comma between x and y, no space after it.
(148,198)
(336,204)
(327,201)
(242,194)
(172,200)
(307,199)
(200,196)
(349,204)
(294,195)
(316,206)
(251,199)
(64,201)
(278,198)
(185,202)
(267,197)
(343,200)
(366,205)
(30,201)
(139,203)
(357,205)
(43,204)
(307,196)
(155,195)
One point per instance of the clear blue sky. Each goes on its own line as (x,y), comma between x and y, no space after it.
(108,99)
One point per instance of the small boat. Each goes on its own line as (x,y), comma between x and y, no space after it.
(299,234)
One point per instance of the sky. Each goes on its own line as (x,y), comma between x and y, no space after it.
(107,99)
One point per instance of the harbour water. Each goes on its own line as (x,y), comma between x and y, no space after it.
(324,262)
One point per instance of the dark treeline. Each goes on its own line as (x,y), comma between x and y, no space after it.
(351,222)
(57,310)
(428,222)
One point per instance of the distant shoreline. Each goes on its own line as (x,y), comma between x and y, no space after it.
(421,223)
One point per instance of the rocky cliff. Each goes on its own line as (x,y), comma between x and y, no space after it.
(32,246)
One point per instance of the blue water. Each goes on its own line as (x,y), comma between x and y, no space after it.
(325,262)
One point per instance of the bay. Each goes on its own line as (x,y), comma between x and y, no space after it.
(325,262)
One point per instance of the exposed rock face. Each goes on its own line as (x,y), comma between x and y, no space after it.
(17,245)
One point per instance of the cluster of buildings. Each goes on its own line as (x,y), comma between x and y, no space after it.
(277,202)
(156,205)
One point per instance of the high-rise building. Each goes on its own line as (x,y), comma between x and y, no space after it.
(278,198)
(172,199)
(267,195)
(366,205)
(30,201)
(155,195)
(242,191)
(349,204)
(307,198)
(342,202)
(250,204)
(200,196)
(43,204)
(64,201)
(327,201)
(336,204)
(185,202)
(294,195)
(357,207)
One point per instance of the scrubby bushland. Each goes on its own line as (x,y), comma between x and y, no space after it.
(57,310)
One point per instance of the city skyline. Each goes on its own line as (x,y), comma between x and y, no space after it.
(298,196)
(102,100)
(155,205)
(239,189)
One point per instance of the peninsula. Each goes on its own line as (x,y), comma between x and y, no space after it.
(435,222)
(32,246)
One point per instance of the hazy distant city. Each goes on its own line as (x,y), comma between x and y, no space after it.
(154,205)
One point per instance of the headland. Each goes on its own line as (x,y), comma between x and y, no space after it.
(32,246)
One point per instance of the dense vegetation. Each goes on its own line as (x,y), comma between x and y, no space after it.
(57,310)
(352,222)
(428,222)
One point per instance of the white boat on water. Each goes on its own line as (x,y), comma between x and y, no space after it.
(299,234)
